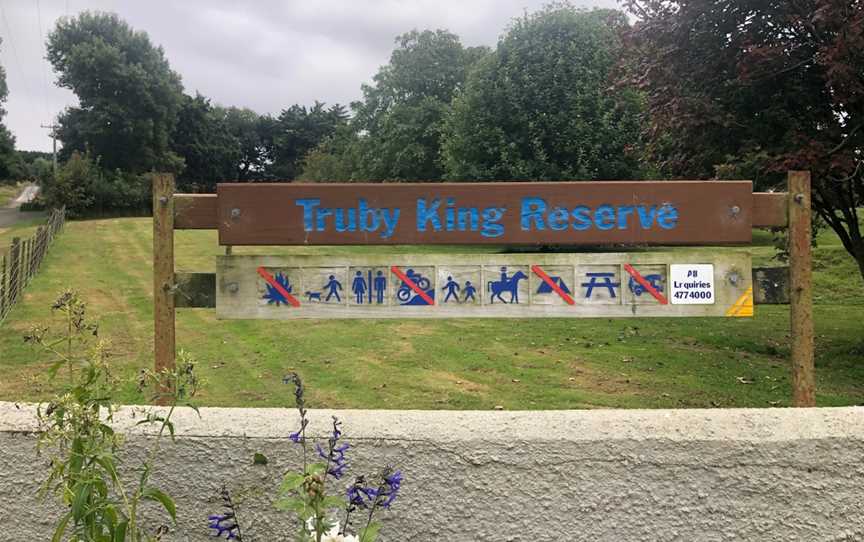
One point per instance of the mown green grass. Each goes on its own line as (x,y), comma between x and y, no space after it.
(8,192)
(441,364)
(22,230)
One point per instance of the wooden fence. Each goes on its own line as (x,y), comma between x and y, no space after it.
(22,260)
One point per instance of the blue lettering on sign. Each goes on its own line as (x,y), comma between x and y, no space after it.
(427,213)
(444,214)
(308,211)
(364,218)
(532,209)
(667,218)
(604,217)
(492,226)
(582,218)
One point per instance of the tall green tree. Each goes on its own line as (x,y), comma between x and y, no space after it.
(253,137)
(540,107)
(210,152)
(9,160)
(336,158)
(398,122)
(296,132)
(128,95)
(754,88)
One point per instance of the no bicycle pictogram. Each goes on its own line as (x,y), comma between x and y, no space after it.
(412,281)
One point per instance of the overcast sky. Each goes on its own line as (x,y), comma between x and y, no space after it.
(265,55)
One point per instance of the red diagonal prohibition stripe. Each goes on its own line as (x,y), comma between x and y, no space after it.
(404,278)
(645,284)
(548,280)
(272,282)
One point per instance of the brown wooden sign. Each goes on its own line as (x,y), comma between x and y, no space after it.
(566,213)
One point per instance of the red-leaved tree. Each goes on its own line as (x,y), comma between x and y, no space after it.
(756,88)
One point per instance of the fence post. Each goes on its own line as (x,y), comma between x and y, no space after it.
(801,290)
(14,269)
(4,290)
(22,263)
(41,244)
(163,271)
(25,261)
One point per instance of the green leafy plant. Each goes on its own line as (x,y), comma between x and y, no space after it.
(306,492)
(85,470)
(309,493)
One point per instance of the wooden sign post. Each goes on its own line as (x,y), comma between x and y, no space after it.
(686,283)
(164,347)
(801,289)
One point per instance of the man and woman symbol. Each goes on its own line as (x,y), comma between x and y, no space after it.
(361,285)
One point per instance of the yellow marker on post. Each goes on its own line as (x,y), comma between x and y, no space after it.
(744,306)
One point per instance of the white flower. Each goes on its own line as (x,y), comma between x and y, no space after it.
(334,536)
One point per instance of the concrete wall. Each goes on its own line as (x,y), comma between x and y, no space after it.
(662,475)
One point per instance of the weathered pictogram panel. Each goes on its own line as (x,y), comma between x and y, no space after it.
(684,283)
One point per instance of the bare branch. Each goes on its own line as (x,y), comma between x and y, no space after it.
(843,143)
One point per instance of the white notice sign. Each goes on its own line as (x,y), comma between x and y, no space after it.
(692,284)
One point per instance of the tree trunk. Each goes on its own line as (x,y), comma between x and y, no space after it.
(860,259)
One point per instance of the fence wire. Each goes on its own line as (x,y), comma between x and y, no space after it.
(22,260)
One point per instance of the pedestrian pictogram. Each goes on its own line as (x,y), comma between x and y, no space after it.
(333,288)
(452,289)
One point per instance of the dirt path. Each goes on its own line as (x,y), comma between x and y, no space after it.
(11,215)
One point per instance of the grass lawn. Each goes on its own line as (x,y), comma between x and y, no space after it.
(439,364)
(8,192)
(22,229)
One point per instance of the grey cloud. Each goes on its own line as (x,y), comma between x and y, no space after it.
(265,55)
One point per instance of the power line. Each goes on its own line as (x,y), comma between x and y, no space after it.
(43,61)
(24,80)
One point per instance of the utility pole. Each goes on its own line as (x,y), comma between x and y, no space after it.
(53,127)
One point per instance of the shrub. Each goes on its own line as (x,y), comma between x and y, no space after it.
(84,189)
(72,187)
(84,469)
